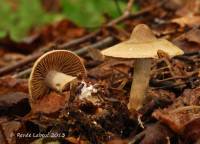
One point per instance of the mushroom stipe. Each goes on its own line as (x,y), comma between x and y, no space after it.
(54,70)
(142,46)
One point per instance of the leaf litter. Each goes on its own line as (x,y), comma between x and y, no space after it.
(171,114)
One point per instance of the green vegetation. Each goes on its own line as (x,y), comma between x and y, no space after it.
(18,21)
(29,13)
(89,13)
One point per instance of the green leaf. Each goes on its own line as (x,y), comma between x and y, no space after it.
(2,33)
(89,13)
(28,14)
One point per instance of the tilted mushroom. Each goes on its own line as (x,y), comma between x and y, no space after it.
(54,70)
(142,46)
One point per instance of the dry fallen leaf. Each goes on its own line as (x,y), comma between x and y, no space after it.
(184,109)
(189,20)
(50,103)
(189,7)
(191,133)
(14,103)
(9,84)
(192,36)
(9,129)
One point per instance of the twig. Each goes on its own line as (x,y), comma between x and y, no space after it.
(125,15)
(177,77)
(129,15)
(79,40)
(23,62)
(99,45)
(189,54)
(185,108)
(170,86)
(22,73)
(129,7)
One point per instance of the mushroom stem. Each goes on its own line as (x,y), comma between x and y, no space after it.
(57,80)
(140,83)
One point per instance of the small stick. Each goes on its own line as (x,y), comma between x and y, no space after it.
(22,73)
(129,15)
(129,7)
(189,54)
(23,62)
(99,45)
(172,78)
(189,74)
(170,86)
(185,108)
(79,40)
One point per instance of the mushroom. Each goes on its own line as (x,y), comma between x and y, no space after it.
(142,46)
(54,70)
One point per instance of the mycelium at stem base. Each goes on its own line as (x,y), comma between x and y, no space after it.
(58,80)
(142,70)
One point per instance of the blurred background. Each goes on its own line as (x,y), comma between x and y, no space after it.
(22,17)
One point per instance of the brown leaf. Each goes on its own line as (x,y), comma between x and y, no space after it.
(191,36)
(15,103)
(50,103)
(154,134)
(106,69)
(182,111)
(117,141)
(10,84)
(191,133)
(187,46)
(9,129)
(2,139)
(189,20)
(61,31)
(190,7)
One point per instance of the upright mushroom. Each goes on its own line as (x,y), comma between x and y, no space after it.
(54,70)
(142,46)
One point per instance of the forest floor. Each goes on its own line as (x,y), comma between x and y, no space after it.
(171,114)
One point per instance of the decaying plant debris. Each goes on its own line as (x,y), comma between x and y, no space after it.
(95,110)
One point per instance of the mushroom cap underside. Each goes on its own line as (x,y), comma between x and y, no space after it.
(130,49)
(57,60)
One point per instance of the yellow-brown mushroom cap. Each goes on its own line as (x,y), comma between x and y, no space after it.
(142,44)
(58,60)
